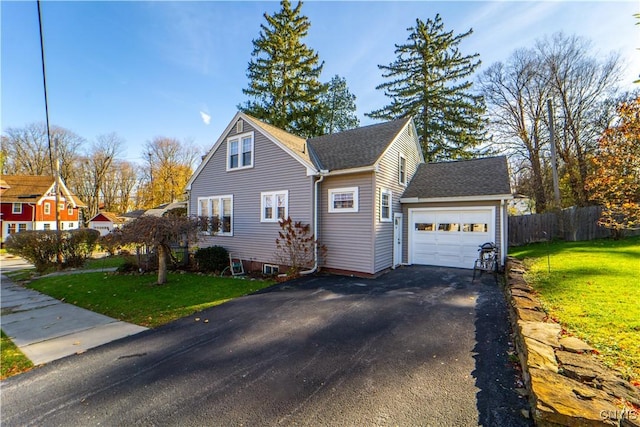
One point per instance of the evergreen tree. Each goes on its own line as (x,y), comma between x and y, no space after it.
(427,81)
(283,74)
(339,107)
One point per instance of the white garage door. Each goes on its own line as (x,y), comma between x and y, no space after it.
(449,237)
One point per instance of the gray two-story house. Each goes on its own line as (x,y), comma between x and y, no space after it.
(367,194)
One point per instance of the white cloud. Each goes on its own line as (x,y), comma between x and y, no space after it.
(206,119)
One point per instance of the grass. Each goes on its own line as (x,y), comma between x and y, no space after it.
(104,262)
(136,299)
(12,361)
(593,290)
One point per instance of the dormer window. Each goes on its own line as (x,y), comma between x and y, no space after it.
(240,152)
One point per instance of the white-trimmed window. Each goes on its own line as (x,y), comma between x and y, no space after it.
(16,208)
(47,208)
(402,169)
(386,199)
(22,227)
(274,205)
(47,227)
(240,151)
(70,210)
(343,199)
(217,214)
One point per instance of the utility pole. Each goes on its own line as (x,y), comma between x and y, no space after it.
(55,155)
(554,166)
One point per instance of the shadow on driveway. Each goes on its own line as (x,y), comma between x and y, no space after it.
(417,346)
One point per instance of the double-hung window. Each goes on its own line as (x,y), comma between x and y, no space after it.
(385,205)
(274,206)
(402,169)
(240,151)
(70,210)
(16,208)
(47,208)
(216,214)
(343,199)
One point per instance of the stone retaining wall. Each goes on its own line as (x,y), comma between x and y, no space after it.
(567,384)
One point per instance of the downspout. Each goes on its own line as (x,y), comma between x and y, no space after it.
(504,232)
(315,225)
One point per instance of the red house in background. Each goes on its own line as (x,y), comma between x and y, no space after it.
(28,203)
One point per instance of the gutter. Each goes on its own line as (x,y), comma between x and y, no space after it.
(323,173)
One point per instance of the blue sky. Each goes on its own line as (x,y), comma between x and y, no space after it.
(147,69)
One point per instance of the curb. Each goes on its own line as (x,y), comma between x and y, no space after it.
(567,385)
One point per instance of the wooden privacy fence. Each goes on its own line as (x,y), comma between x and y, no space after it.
(570,224)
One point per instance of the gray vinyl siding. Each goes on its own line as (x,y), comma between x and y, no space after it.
(407,226)
(387,177)
(273,170)
(348,236)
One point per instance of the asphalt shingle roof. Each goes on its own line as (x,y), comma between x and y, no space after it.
(476,177)
(25,188)
(29,188)
(293,142)
(356,147)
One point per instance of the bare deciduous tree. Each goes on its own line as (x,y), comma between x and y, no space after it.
(93,168)
(515,93)
(119,186)
(580,83)
(561,68)
(27,150)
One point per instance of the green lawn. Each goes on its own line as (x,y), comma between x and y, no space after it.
(104,262)
(12,361)
(593,290)
(136,299)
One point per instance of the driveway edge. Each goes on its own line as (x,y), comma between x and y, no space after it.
(567,385)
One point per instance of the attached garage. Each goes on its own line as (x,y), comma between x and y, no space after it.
(451,208)
(449,237)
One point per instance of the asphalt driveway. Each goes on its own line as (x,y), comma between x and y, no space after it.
(418,346)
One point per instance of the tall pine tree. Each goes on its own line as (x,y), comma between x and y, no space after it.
(428,81)
(339,107)
(283,74)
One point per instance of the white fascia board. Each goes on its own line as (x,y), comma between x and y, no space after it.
(372,168)
(494,197)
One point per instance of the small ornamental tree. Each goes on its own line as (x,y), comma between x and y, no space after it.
(159,233)
(295,246)
(615,182)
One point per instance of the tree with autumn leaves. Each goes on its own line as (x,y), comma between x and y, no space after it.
(615,181)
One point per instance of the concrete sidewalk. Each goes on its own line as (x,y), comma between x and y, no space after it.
(46,329)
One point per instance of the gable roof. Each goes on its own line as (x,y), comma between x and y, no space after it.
(164,208)
(355,148)
(295,146)
(463,178)
(108,216)
(31,188)
(294,143)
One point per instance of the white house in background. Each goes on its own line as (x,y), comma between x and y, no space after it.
(105,222)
